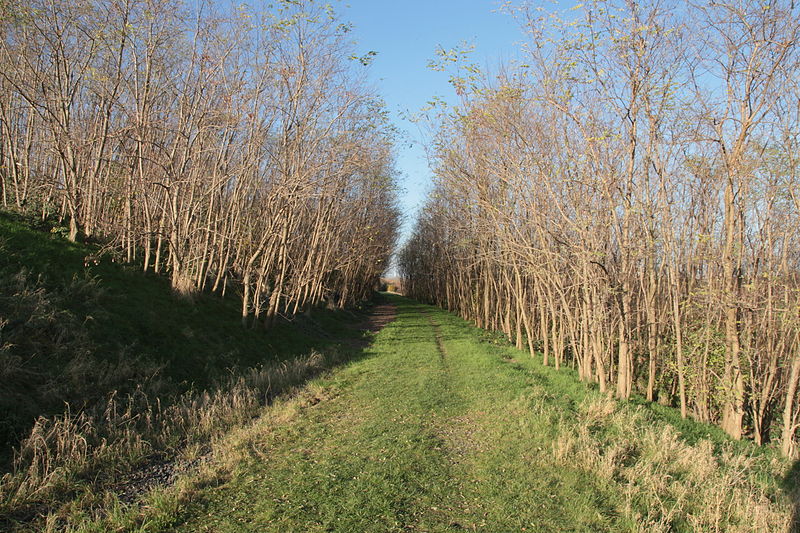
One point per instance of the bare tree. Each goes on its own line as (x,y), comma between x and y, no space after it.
(625,200)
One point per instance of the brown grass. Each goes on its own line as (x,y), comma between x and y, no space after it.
(673,480)
(87,453)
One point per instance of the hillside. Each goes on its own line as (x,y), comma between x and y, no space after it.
(81,336)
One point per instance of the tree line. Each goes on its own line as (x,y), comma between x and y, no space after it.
(219,144)
(624,199)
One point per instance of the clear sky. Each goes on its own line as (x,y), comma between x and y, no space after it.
(406,34)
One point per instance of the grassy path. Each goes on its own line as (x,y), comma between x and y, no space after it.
(430,431)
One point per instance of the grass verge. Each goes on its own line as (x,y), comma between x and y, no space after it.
(435,429)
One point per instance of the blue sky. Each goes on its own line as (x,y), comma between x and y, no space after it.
(406,34)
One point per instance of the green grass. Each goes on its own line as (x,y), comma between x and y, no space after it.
(125,375)
(126,326)
(394,447)
(436,426)
(474,437)
(195,340)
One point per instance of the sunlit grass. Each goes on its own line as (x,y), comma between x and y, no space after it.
(479,437)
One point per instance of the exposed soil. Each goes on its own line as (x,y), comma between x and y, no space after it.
(154,475)
(381,315)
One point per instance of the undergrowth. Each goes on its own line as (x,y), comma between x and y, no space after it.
(105,372)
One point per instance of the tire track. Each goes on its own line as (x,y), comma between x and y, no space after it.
(437,331)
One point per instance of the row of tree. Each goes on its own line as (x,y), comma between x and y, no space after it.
(216,143)
(627,201)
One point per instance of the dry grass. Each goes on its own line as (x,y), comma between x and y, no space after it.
(84,453)
(70,335)
(679,485)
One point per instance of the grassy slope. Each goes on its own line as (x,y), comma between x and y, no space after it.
(136,331)
(417,437)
